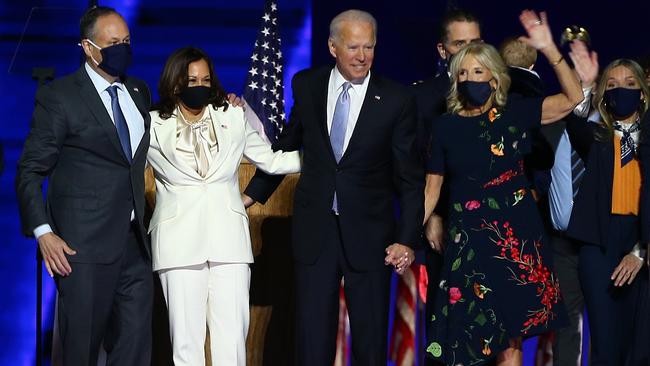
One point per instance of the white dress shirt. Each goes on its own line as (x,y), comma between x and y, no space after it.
(357,94)
(134,120)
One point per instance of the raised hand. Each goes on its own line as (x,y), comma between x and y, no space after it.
(585,62)
(537,28)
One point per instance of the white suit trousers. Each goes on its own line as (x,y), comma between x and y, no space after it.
(215,294)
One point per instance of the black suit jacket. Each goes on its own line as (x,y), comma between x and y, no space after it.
(431,99)
(380,164)
(92,188)
(644,159)
(592,207)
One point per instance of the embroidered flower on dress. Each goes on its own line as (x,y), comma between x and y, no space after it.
(472,205)
(494,114)
(455,295)
(497,149)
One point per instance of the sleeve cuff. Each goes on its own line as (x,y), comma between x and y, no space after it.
(42,230)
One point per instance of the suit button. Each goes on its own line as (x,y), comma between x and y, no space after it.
(338,170)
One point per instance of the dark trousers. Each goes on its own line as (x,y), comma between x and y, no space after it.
(317,307)
(610,310)
(567,346)
(109,304)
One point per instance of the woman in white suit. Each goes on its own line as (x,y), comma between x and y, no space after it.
(199,229)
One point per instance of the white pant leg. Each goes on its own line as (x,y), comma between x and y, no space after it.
(228,313)
(186,294)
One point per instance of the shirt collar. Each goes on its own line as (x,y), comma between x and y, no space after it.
(98,81)
(527,70)
(339,80)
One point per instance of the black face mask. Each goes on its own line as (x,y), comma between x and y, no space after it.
(195,97)
(475,93)
(622,102)
(115,59)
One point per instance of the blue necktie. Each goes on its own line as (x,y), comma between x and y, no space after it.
(339,127)
(120,123)
(577,171)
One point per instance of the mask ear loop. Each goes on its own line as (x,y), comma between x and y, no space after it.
(93,44)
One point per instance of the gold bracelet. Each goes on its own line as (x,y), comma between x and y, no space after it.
(558,61)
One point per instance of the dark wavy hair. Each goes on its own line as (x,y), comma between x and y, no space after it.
(174,77)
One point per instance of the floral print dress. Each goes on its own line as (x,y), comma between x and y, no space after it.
(496,283)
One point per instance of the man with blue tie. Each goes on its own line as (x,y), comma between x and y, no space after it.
(357,133)
(89,137)
(565,177)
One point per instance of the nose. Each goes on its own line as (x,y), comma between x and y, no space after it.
(361,55)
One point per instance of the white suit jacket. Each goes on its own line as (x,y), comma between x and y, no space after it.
(203,219)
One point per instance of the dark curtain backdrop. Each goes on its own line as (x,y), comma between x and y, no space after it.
(408,29)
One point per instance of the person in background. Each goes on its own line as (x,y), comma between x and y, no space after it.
(199,229)
(498,284)
(89,137)
(605,215)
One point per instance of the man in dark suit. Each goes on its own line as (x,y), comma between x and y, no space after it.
(89,137)
(556,205)
(357,132)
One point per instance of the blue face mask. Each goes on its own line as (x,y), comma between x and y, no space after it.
(475,93)
(115,59)
(622,102)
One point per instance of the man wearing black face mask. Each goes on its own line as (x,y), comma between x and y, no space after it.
(89,137)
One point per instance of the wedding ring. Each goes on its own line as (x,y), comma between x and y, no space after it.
(538,22)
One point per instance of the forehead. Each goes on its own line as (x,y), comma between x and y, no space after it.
(462,30)
(470,62)
(355,30)
(620,72)
(111,26)
(199,67)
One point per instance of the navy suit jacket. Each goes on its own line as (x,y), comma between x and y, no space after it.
(592,207)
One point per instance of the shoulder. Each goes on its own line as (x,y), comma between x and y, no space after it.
(311,74)
(392,89)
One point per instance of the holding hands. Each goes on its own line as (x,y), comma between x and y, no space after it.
(400,256)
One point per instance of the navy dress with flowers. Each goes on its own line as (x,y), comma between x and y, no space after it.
(496,283)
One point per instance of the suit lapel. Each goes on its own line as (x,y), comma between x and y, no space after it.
(367,114)
(140,103)
(96,106)
(319,95)
(165,132)
(222,131)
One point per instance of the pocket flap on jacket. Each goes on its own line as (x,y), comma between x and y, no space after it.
(166,209)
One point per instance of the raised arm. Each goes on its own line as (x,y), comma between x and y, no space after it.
(539,37)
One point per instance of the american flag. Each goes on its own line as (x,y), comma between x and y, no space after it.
(264,91)
(411,296)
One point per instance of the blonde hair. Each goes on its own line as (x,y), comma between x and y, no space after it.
(607,131)
(488,57)
(517,53)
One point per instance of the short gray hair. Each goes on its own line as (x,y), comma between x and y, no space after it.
(352,15)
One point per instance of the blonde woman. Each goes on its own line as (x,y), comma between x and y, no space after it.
(497,283)
(606,213)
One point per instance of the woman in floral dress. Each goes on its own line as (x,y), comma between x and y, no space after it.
(496,283)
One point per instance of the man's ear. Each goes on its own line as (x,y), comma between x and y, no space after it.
(441,51)
(331,45)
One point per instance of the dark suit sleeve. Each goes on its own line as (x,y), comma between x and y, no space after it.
(262,185)
(581,134)
(644,158)
(408,176)
(40,155)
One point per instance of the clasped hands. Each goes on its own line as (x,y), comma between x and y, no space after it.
(399,256)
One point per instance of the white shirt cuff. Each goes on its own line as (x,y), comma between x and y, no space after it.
(41,230)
